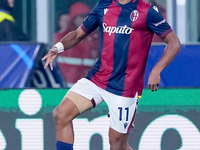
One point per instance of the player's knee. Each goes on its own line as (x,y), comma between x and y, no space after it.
(55,114)
(59,118)
(65,113)
(118,141)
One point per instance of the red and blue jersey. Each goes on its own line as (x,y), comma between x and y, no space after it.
(126,33)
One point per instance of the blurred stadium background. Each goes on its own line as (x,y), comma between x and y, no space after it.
(168,119)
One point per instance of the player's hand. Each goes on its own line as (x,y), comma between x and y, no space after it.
(49,57)
(153,82)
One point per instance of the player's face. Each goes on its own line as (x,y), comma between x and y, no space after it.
(11,3)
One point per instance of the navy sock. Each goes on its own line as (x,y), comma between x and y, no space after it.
(63,146)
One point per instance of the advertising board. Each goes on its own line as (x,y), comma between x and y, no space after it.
(166,119)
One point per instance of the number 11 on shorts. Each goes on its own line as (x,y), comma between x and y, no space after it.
(121,111)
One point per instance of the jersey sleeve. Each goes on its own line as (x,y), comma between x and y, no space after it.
(91,22)
(157,23)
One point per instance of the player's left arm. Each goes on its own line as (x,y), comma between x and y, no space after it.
(171,50)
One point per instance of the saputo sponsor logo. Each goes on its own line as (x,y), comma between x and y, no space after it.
(119,30)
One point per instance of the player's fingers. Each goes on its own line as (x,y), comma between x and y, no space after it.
(45,57)
(46,64)
(51,65)
(157,85)
(54,50)
(150,86)
(153,87)
(49,54)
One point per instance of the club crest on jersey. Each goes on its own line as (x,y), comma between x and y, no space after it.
(134,15)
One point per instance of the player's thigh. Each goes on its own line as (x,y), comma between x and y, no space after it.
(72,105)
(65,111)
(82,103)
(84,94)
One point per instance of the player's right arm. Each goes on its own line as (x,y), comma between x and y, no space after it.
(67,42)
(73,38)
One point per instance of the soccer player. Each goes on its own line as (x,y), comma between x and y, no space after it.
(126,31)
